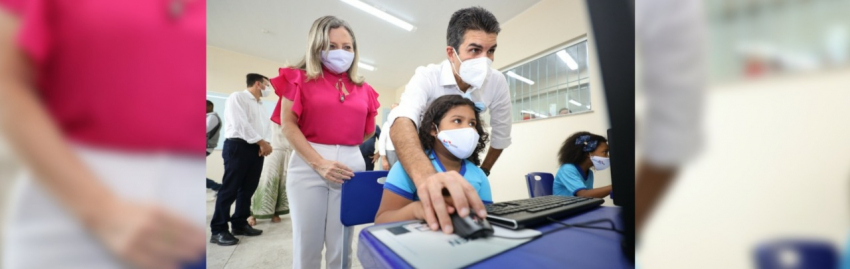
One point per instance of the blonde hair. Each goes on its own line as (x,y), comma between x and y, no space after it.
(318,41)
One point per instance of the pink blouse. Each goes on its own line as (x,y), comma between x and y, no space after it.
(321,116)
(119,74)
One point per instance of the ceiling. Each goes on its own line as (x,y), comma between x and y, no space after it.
(395,52)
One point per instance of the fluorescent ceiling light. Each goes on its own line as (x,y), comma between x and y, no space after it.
(380,14)
(520,78)
(567,59)
(588,107)
(574,102)
(365,66)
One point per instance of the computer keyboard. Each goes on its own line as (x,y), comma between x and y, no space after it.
(519,214)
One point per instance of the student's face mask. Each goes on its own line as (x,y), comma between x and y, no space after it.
(600,163)
(474,71)
(337,61)
(460,142)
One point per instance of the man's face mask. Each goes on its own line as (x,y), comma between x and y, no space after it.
(474,71)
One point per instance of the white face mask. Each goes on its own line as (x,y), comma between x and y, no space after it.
(474,71)
(460,142)
(265,92)
(337,61)
(600,163)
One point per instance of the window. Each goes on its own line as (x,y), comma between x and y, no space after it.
(555,84)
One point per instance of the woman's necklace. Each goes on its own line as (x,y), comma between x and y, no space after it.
(342,90)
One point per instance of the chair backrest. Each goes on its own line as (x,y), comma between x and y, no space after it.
(539,184)
(796,253)
(361,197)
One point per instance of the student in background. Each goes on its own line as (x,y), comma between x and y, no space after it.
(579,153)
(845,264)
(564,111)
(213,132)
(321,91)
(452,139)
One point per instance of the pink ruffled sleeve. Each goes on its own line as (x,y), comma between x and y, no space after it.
(288,85)
(372,111)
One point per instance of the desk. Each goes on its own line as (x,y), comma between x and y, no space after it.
(568,248)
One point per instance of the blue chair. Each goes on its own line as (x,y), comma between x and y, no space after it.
(361,197)
(796,254)
(539,184)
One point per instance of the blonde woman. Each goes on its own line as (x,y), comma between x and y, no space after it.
(326,112)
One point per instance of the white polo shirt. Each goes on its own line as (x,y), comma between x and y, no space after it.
(432,81)
(245,117)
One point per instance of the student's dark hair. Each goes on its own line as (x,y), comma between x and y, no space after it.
(564,109)
(253,78)
(435,113)
(473,18)
(575,153)
(210,104)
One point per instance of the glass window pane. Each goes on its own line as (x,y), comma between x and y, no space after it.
(545,86)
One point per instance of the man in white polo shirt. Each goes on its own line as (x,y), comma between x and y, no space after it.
(471,48)
(245,147)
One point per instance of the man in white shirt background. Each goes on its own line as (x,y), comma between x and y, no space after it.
(471,46)
(213,133)
(245,147)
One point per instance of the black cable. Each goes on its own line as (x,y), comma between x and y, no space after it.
(566,226)
(530,237)
(584,225)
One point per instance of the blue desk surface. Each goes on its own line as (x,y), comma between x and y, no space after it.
(568,248)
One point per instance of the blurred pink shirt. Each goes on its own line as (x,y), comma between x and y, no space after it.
(321,116)
(119,74)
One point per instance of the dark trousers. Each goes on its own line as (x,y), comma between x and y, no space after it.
(370,166)
(242,168)
(212,185)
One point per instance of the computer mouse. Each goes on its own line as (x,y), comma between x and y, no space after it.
(471,227)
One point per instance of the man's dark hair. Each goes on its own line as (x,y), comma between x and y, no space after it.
(210,104)
(253,78)
(576,154)
(435,113)
(473,18)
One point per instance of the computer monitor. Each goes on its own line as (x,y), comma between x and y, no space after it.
(612,23)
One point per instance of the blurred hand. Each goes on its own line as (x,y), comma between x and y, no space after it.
(148,236)
(265,148)
(375,157)
(333,171)
(437,210)
(385,163)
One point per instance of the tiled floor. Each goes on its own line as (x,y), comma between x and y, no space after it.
(272,249)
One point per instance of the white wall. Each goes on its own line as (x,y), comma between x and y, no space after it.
(226,72)
(780,174)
